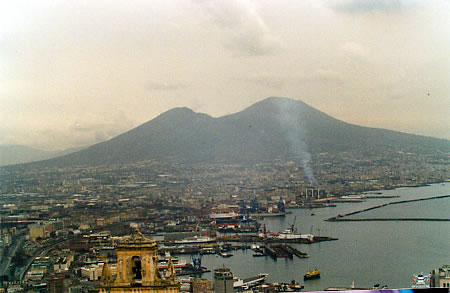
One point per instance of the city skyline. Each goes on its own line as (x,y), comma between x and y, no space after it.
(75,74)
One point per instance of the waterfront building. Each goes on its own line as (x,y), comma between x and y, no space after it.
(223,281)
(137,269)
(314,193)
(441,277)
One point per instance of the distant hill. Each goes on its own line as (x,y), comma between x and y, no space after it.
(270,129)
(18,154)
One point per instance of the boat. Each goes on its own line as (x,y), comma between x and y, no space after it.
(289,234)
(270,214)
(294,286)
(181,265)
(177,264)
(351,198)
(421,281)
(249,282)
(313,274)
(194,240)
(207,250)
(225,254)
(362,196)
(258,254)
(255,247)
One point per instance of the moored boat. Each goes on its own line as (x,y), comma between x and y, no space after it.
(421,281)
(194,240)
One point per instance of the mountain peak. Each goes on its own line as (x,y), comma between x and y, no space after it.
(181,113)
(281,102)
(180,110)
(177,111)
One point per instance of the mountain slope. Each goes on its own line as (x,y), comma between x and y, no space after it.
(270,129)
(19,154)
(16,154)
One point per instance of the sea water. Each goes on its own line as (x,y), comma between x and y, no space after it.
(367,253)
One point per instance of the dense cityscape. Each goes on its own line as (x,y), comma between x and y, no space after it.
(61,225)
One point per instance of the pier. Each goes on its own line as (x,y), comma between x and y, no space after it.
(295,251)
(341,218)
(283,251)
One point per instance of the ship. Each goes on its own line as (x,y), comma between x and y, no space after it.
(294,286)
(289,234)
(248,283)
(164,262)
(194,240)
(313,274)
(421,281)
(225,254)
(351,198)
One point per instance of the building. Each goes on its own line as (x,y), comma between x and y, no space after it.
(56,284)
(92,272)
(201,286)
(223,281)
(314,193)
(137,269)
(37,231)
(441,277)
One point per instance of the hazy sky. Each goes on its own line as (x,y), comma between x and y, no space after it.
(77,72)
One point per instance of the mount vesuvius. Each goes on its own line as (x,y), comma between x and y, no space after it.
(275,128)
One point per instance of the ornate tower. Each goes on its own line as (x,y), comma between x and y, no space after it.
(137,269)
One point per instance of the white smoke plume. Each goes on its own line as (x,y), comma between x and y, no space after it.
(290,120)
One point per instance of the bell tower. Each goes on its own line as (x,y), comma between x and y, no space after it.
(137,268)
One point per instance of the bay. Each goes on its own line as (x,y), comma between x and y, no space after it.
(367,253)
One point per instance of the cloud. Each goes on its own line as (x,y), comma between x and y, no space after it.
(164,86)
(85,131)
(243,30)
(265,79)
(328,76)
(354,49)
(321,76)
(370,6)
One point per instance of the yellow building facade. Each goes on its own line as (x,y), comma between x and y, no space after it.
(137,269)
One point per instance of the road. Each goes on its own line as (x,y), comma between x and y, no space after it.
(20,274)
(12,251)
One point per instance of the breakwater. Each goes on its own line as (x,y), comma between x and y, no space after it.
(342,218)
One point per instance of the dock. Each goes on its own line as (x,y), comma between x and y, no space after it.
(283,251)
(270,252)
(295,251)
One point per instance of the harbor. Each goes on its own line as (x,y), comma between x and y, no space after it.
(345,261)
